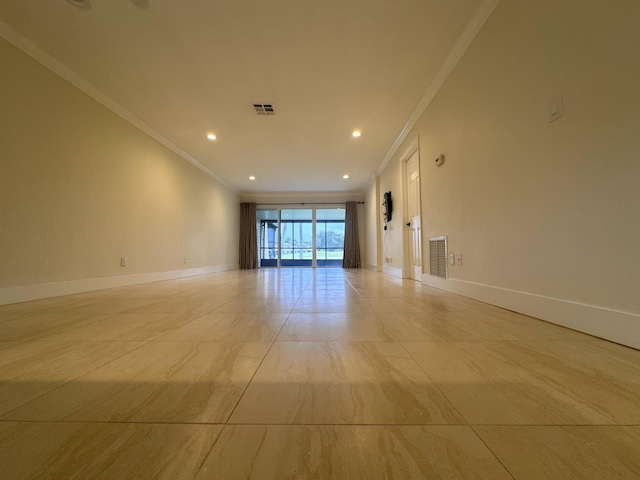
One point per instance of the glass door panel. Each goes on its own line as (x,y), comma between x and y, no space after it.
(329,237)
(267,224)
(296,237)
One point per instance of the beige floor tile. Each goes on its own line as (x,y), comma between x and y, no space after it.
(12,317)
(270,293)
(257,305)
(519,327)
(328,327)
(122,327)
(81,451)
(28,370)
(43,326)
(50,304)
(571,452)
(503,383)
(311,294)
(393,305)
(110,304)
(592,354)
(390,290)
(341,383)
(350,452)
(229,327)
(183,304)
(160,382)
(325,304)
(315,373)
(438,323)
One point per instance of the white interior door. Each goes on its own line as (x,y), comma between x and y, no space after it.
(413,217)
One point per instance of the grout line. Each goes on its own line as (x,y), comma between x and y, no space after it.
(204,457)
(450,402)
(73,379)
(492,452)
(378,425)
(267,353)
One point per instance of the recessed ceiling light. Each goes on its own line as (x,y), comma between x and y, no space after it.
(356,133)
(252,177)
(346,175)
(211,136)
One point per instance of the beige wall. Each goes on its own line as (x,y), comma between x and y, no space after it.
(80,188)
(373,256)
(551,209)
(391,238)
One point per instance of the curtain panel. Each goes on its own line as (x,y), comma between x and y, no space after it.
(248,236)
(351,257)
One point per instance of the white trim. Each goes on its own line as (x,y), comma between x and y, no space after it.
(13,37)
(308,198)
(476,22)
(617,326)
(395,272)
(370,266)
(46,290)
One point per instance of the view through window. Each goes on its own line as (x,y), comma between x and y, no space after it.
(329,237)
(301,237)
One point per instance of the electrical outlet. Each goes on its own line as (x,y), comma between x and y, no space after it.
(459,259)
(186,260)
(123,261)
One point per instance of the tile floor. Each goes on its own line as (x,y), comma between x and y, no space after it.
(314,374)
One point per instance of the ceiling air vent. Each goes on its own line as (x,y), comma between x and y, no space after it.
(264,108)
(438,257)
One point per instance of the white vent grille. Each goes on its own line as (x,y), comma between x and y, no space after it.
(438,257)
(264,108)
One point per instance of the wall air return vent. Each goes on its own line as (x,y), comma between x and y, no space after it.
(438,257)
(264,108)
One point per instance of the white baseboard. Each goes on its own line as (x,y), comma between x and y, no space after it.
(57,289)
(614,325)
(375,268)
(396,272)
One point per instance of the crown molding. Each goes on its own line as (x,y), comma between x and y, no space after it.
(477,21)
(309,198)
(57,67)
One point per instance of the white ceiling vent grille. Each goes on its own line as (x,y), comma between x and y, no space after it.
(264,108)
(438,257)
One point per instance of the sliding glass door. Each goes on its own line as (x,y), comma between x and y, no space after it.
(268,238)
(300,237)
(329,237)
(296,227)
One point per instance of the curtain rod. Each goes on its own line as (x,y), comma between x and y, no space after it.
(304,203)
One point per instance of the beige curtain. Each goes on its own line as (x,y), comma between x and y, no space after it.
(248,236)
(351,258)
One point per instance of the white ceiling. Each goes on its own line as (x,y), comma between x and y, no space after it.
(188,68)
